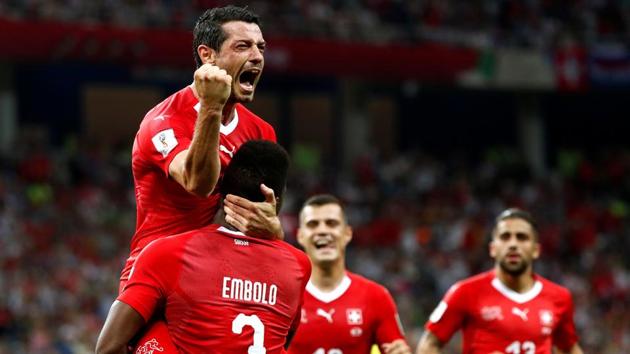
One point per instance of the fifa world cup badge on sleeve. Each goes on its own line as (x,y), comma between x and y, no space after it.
(164,141)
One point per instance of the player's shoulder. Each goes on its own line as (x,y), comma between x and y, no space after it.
(473,283)
(366,283)
(298,254)
(170,110)
(552,288)
(248,116)
(174,240)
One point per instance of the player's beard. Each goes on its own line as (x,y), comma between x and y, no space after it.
(514,269)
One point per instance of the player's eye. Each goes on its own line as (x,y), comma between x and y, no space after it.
(312,224)
(522,236)
(332,223)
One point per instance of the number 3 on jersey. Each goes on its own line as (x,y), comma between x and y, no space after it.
(330,351)
(517,347)
(242,320)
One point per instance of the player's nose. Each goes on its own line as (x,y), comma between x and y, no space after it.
(256,55)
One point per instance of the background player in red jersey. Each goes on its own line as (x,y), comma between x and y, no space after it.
(220,290)
(342,312)
(510,309)
(185,141)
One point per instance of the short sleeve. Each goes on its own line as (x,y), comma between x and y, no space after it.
(149,279)
(449,315)
(389,327)
(564,337)
(162,138)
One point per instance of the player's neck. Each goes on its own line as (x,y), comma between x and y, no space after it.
(228,112)
(228,109)
(519,283)
(328,278)
(219,218)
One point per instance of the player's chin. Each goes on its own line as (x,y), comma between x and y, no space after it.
(326,255)
(513,267)
(244,98)
(244,94)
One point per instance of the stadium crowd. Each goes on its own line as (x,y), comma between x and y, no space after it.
(537,24)
(421,223)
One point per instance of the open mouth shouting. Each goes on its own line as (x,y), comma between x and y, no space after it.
(247,80)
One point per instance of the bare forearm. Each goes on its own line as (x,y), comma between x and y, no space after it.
(429,344)
(202,165)
(121,325)
(576,349)
(118,349)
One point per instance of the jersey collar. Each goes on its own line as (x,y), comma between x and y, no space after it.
(515,296)
(330,296)
(226,230)
(224,129)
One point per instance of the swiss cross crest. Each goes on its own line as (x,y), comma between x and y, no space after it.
(546,318)
(354,316)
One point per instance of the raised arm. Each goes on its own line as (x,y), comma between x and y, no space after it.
(429,344)
(197,168)
(121,325)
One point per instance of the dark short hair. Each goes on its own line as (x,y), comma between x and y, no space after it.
(323,199)
(256,162)
(209,27)
(516,213)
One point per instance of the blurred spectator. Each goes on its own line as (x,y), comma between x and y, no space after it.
(535,24)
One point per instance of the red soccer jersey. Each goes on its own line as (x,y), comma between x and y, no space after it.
(496,318)
(163,206)
(221,291)
(357,314)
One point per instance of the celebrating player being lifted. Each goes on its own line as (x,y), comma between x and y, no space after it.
(343,312)
(185,141)
(509,309)
(221,291)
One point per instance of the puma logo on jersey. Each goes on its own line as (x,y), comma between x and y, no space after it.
(225,150)
(149,347)
(520,313)
(326,315)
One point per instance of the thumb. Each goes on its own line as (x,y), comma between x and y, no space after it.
(270,196)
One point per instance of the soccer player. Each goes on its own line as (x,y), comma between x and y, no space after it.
(221,291)
(342,312)
(185,141)
(509,309)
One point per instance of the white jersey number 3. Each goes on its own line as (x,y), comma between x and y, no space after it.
(330,351)
(521,348)
(242,320)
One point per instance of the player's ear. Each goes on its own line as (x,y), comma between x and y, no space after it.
(301,238)
(206,54)
(492,248)
(348,234)
(537,248)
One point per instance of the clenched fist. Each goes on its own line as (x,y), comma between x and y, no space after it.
(213,85)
